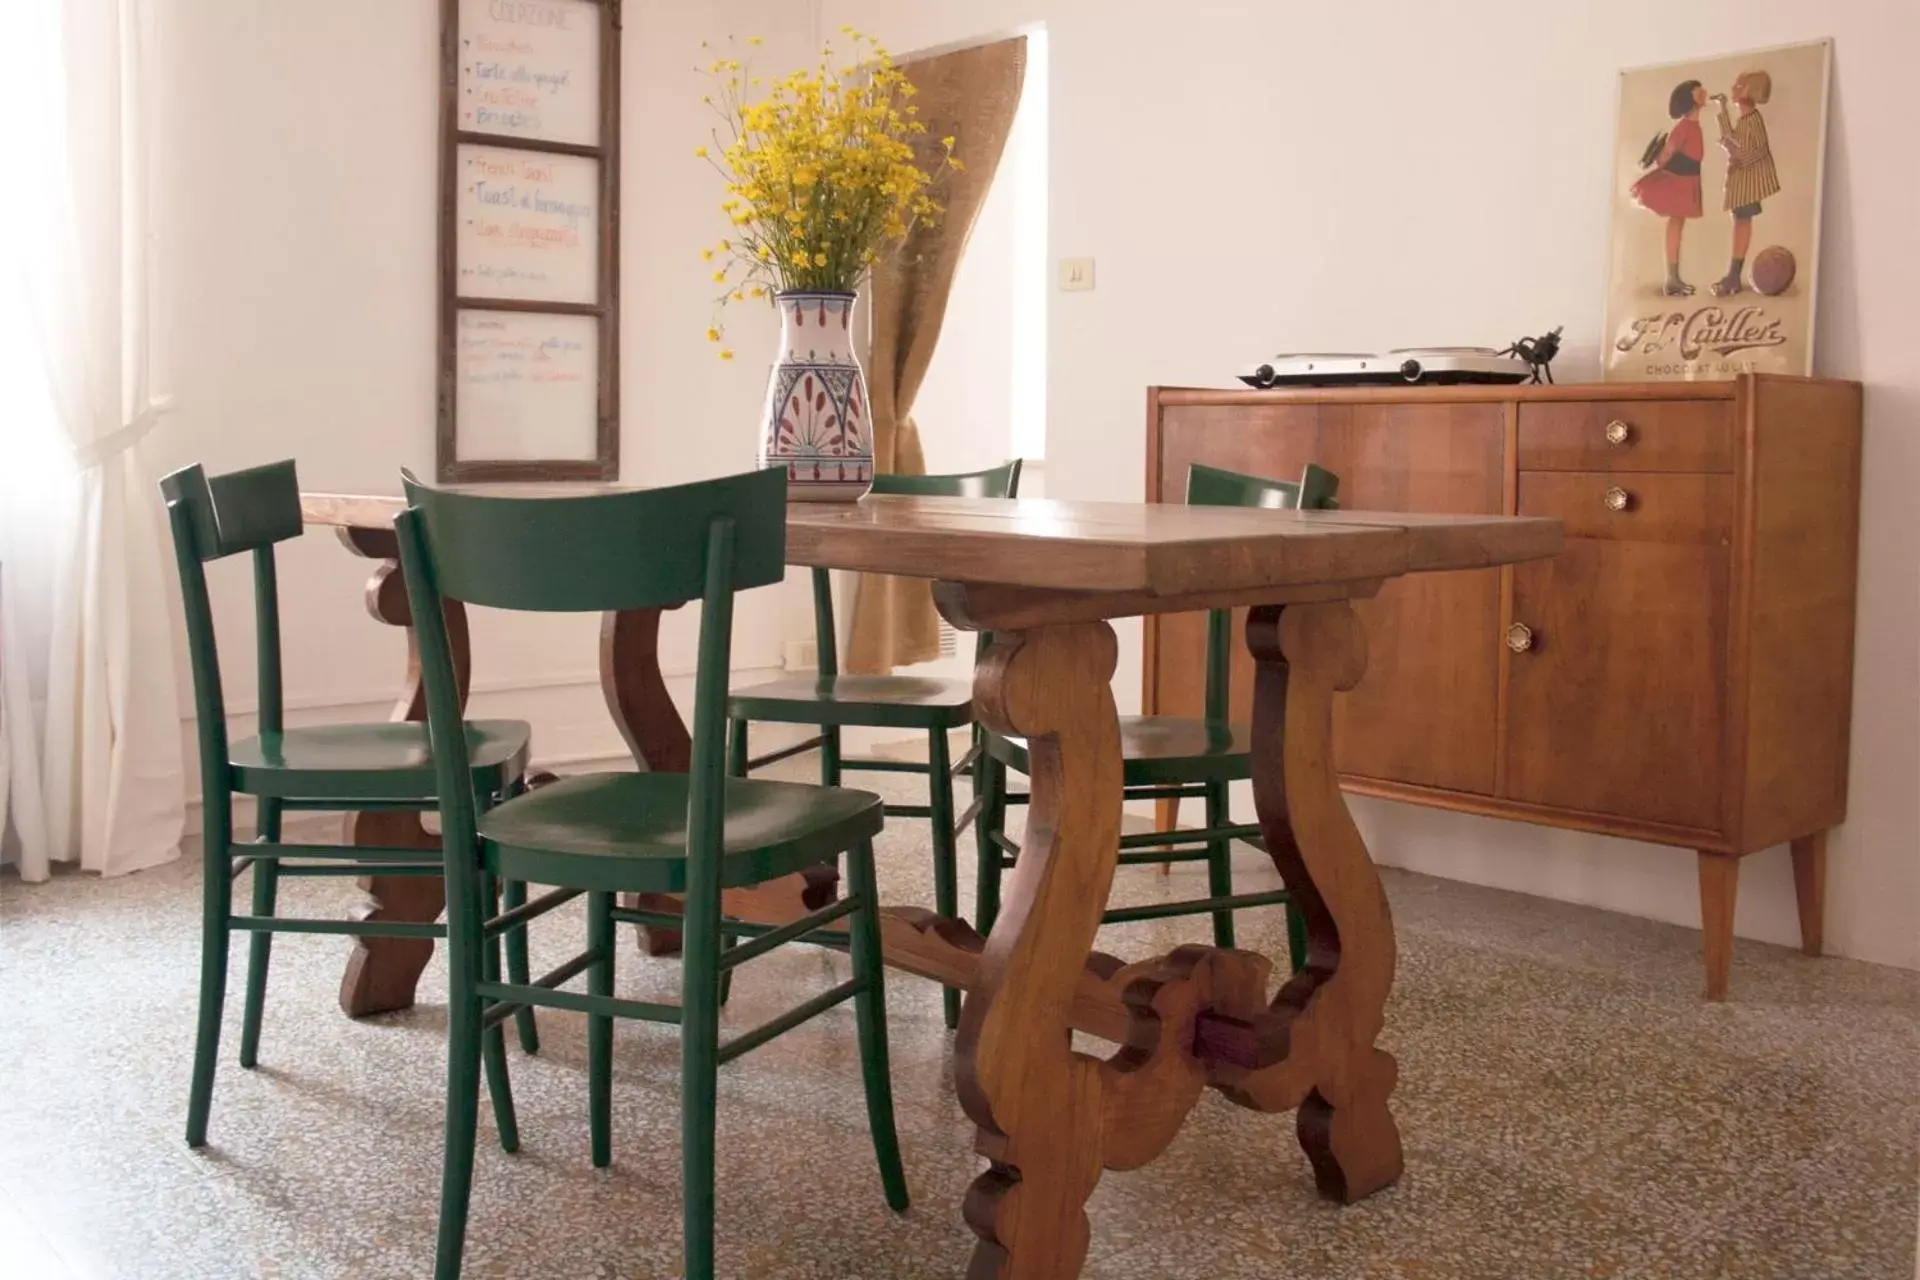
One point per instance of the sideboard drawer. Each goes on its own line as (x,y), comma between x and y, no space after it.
(1626,435)
(1678,508)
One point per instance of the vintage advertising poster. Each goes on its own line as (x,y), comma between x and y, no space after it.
(1717,169)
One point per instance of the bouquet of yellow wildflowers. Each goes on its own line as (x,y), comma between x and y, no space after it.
(822,173)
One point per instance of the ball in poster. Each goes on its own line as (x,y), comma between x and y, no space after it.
(1773,269)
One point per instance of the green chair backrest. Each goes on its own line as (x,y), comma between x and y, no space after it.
(636,549)
(213,517)
(1002,481)
(1316,490)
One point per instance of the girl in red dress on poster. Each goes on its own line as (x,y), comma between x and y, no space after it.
(1672,190)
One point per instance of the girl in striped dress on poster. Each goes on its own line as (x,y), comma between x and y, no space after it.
(1751,176)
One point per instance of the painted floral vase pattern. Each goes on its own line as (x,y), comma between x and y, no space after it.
(816,422)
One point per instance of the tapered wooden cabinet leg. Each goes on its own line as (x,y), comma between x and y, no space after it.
(382,972)
(1810,888)
(1166,816)
(1166,813)
(1037,1103)
(1719,887)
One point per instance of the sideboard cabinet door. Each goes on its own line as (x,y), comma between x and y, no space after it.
(1617,675)
(1427,710)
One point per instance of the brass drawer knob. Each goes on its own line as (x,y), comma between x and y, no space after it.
(1519,637)
(1618,499)
(1619,433)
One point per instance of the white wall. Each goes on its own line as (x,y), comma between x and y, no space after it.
(295,182)
(1255,176)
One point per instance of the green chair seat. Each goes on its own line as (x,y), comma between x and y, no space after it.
(1159,750)
(628,831)
(389,761)
(888,702)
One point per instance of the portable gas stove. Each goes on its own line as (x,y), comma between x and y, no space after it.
(1400,367)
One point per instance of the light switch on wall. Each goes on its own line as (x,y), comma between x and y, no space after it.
(1076,274)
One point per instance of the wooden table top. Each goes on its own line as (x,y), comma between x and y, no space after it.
(1151,549)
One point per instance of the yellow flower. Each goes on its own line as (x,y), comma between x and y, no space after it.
(720,277)
(700,153)
(713,335)
(726,355)
(947,142)
(756,41)
(706,255)
(824,154)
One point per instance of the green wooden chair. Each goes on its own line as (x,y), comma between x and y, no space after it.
(336,767)
(692,834)
(1167,757)
(832,702)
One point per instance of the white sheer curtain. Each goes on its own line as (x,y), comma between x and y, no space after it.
(87,667)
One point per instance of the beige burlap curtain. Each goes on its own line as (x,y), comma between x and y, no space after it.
(969,95)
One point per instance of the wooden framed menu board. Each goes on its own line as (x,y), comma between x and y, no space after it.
(529,240)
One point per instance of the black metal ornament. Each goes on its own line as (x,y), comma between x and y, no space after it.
(1538,354)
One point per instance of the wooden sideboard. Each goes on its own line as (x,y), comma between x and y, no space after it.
(1682,673)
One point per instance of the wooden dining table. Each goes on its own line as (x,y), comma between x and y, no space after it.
(1046,579)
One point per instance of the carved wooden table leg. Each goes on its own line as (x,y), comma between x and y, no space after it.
(383,972)
(1332,1011)
(1038,1104)
(643,709)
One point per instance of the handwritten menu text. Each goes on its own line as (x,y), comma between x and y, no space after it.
(527,225)
(528,384)
(531,69)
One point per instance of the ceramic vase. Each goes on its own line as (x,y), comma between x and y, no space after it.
(816,421)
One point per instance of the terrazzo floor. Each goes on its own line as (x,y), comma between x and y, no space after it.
(1570,1108)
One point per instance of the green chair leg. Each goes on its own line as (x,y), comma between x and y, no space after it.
(990,781)
(699,1086)
(946,871)
(830,756)
(463,1104)
(493,1045)
(1296,937)
(600,941)
(513,893)
(266,887)
(737,748)
(870,1012)
(1219,863)
(216,910)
